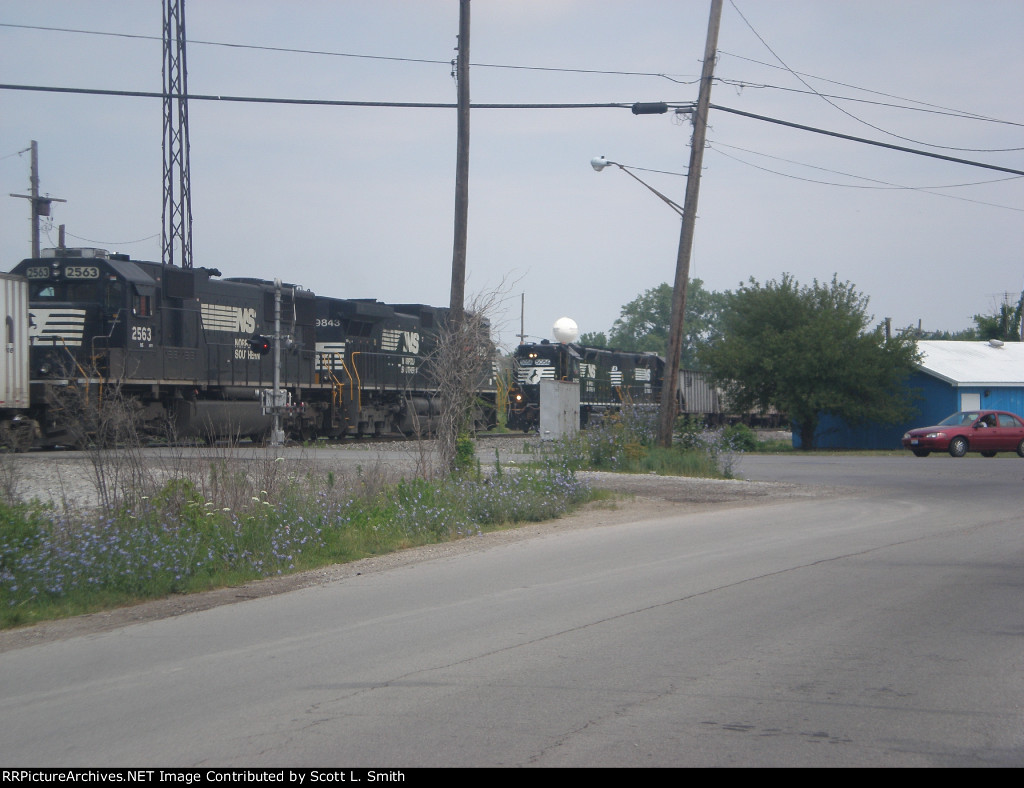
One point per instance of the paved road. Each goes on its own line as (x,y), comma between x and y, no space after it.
(883,626)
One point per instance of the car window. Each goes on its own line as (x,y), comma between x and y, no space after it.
(1006,420)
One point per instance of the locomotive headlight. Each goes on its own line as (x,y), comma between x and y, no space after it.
(44,369)
(519,397)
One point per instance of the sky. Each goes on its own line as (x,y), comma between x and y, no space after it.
(359,201)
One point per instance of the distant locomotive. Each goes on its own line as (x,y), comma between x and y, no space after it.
(608,379)
(192,353)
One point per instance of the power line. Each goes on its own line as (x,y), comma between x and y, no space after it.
(851,175)
(107,243)
(16,153)
(317,102)
(430,105)
(327,53)
(676,78)
(964,113)
(832,103)
(883,184)
(865,141)
(742,84)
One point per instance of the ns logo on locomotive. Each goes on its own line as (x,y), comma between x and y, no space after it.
(192,351)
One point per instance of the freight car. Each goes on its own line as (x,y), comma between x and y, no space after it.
(16,430)
(190,353)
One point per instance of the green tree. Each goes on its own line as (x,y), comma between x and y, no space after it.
(806,351)
(966,335)
(593,339)
(1004,324)
(644,322)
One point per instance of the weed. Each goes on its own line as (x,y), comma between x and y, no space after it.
(200,532)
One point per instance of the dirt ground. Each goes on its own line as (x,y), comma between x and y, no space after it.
(639,498)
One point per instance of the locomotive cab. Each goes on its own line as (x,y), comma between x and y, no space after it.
(175,342)
(532,363)
(83,304)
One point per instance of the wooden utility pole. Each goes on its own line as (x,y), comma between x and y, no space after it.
(458,295)
(670,385)
(40,205)
(522,318)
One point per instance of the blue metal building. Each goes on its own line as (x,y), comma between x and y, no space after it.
(952,376)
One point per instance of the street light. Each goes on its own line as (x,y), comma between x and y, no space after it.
(600,162)
(670,383)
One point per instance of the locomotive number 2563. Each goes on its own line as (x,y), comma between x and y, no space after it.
(81,272)
(142,334)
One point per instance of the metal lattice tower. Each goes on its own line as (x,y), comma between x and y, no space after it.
(177,205)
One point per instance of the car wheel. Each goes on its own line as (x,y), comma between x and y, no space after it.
(1020,448)
(988,454)
(958,447)
(925,452)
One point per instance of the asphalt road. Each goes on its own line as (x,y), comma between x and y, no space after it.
(881,626)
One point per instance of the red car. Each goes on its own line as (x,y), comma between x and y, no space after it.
(985,431)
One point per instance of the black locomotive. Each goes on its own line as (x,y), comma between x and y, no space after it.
(608,379)
(195,354)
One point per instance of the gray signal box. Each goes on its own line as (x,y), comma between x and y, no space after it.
(559,409)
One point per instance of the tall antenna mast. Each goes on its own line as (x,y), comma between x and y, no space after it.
(177,205)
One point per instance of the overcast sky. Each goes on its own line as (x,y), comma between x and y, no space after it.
(359,202)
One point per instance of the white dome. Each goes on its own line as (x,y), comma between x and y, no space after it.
(566,330)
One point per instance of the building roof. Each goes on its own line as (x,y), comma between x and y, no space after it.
(974,363)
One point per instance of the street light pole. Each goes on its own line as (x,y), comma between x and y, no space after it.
(600,162)
(670,385)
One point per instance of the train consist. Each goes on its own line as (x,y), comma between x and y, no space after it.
(609,380)
(192,355)
(195,354)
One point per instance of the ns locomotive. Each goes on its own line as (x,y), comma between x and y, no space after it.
(608,379)
(191,353)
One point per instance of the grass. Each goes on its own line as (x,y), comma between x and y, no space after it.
(225,529)
(189,529)
(625,443)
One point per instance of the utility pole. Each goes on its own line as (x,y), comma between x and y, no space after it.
(670,385)
(1020,317)
(522,318)
(40,205)
(458,294)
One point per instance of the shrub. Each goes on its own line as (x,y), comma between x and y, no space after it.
(739,437)
(626,442)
